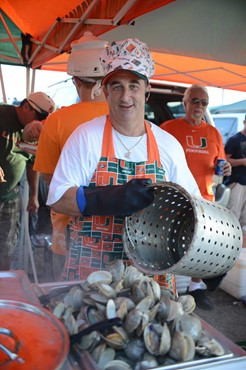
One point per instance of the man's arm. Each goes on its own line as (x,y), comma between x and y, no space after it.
(236,162)
(2,175)
(47,177)
(33,180)
(67,204)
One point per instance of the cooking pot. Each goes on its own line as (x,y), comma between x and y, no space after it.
(182,234)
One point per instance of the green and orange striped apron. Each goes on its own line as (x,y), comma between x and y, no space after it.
(97,240)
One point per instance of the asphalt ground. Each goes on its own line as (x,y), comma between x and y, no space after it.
(228,315)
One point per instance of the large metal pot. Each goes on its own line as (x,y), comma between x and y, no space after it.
(182,234)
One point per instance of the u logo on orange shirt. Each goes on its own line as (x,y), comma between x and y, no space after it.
(191,144)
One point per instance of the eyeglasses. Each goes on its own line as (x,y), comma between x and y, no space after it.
(196,101)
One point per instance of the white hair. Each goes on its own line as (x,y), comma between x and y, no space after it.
(194,87)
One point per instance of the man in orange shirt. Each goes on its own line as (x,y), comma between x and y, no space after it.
(203,145)
(84,66)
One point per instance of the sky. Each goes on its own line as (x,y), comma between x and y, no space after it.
(15,85)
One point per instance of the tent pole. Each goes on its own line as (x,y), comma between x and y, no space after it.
(26,241)
(33,80)
(223,96)
(41,44)
(27,81)
(2,85)
(81,20)
(11,38)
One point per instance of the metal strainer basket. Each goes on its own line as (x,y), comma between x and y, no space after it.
(182,234)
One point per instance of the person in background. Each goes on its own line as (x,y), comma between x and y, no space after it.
(13,162)
(235,149)
(107,163)
(203,145)
(84,66)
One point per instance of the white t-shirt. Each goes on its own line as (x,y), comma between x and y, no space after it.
(82,152)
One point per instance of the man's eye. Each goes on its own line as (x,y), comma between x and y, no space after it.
(117,88)
(134,87)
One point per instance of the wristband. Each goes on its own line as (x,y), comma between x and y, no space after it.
(81,199)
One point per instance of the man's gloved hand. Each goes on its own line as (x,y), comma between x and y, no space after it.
(116,200)
(214,282)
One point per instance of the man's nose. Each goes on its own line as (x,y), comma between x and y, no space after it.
(125,94)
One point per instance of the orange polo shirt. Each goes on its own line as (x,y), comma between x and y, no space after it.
(202,145)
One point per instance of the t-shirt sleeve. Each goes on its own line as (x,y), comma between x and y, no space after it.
(78,160)
(221,145)
(48,152)
(69,170)
(166,125)
(230,145)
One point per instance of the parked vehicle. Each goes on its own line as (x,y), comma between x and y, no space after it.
(229,124)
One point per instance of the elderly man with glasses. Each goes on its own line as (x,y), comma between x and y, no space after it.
(13,162)
(203,145)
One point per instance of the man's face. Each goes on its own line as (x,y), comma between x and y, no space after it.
(125,93)
(29,114)
(196,104)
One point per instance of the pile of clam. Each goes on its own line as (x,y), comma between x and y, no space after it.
(157,329)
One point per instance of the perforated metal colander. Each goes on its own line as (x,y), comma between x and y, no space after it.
(182,234)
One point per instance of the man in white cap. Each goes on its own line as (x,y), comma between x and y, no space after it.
(107,163)
(87,72)
(13,162)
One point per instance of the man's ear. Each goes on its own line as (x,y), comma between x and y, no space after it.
(26,107)
(147,93)
(105,91)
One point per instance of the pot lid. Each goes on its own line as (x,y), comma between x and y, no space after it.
(30,337)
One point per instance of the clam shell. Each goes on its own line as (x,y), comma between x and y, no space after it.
(117,365)
(99,276)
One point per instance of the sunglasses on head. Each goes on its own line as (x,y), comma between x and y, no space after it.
(196,101)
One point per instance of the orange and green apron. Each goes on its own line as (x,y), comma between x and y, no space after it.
(97,240)
(59,223)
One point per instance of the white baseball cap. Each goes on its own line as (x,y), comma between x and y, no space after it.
(132,55)
(41,102)
(84,58)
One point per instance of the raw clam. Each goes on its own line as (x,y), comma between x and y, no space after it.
(207,347)
(99,276)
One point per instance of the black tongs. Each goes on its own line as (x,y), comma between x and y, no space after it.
(98,326)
